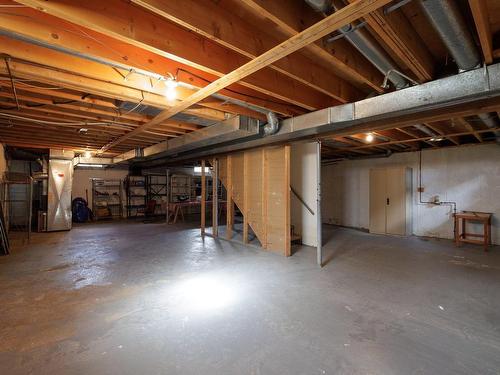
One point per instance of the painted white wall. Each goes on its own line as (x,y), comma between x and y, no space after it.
(303,178)
(469,176)
(82,180)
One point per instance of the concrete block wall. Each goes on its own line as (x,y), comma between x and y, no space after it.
(468,175)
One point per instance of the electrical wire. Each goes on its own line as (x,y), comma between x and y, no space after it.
(23,82)
(52,122)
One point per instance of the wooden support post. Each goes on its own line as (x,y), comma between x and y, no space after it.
(215,198)
(229,199)
(203,197)
(288,244)
(265,178)
(245,198)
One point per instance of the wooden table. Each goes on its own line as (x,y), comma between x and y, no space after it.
(461,234)
(176,209)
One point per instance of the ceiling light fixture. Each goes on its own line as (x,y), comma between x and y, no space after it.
(436,139)
(87,154)
(171,88)
(369,137)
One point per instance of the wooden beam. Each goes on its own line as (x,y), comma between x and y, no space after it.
(320,29)
(291,17)
(245,197)
(236,33)
(203,198)
(288,241)
(264,198)
(397,33)
(436,127)
(229,198)
(115,19)
(113,117)
(56,68)
(426,138)
(479,10)
(215,197)
(48,30)
(468,126)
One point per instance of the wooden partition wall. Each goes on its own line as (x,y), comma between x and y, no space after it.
(258,183)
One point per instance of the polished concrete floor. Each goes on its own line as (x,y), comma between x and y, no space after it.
(133,298)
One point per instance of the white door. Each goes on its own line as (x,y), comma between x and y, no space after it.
(396,201)
(378,195)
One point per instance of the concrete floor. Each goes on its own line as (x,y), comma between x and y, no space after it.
(133,298)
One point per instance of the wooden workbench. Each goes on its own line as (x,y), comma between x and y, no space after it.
(176,209)
(461,234)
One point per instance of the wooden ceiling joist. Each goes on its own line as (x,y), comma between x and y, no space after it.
(398,35)
(481,19)
(48,30)
(427,138)
(237,34)
(318,30)
(291,17)
(114,18)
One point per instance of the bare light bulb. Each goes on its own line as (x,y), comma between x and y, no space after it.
(369,137)
(171,92)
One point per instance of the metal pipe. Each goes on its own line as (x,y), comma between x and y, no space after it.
(272,125)
(297,195)
(425,130)
(364,42)
(391,8)
(490,120)
(450,24)
(319,229)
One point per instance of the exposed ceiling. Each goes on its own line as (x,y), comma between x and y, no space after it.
(92,75)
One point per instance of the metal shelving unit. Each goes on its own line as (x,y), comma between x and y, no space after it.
(136,195)
(180,186)
(157,189)
(107,199)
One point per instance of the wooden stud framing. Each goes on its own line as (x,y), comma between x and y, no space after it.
(318,30)
(203,198)
(480,13)
(288,243)
(229,199)
(245,197)
(215,197)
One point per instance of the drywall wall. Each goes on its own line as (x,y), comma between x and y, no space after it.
(303,179)
(82,181)
(469,176)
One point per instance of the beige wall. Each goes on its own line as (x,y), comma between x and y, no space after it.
(469,176)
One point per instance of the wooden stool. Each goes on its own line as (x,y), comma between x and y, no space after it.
(461,234)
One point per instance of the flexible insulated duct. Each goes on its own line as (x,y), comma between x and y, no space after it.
(450,24)
(362,40)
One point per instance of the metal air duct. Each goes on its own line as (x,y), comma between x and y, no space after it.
(450,24)
(491,121)
(272,125)
(362,40)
